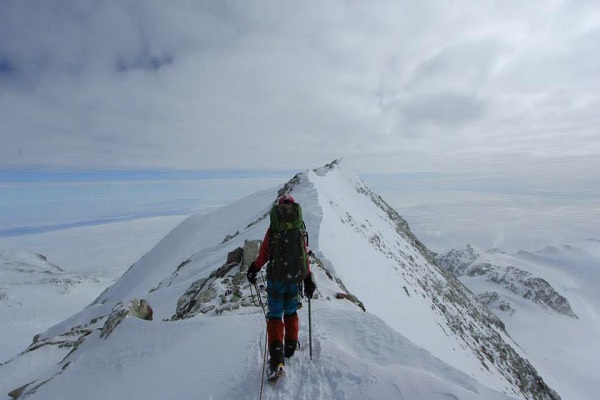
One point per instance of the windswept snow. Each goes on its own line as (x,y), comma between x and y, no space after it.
(422,336)
(355,355)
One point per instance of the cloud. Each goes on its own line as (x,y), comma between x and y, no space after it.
(446,109)
(390,85)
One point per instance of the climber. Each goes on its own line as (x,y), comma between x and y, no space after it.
(285,249)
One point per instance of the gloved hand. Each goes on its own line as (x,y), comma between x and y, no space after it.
(309,286)
(251,274)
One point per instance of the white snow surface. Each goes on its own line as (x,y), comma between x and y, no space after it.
(563,349)
(355,355)
(35,294)
(398,349)
(46,277)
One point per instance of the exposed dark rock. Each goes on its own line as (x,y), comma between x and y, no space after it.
(492,301)
(289,186)
(227,289)
(461,262)
(235,256)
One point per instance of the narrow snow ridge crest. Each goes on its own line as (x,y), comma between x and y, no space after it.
(322,171)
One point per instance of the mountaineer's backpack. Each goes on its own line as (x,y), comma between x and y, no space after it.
(287,244)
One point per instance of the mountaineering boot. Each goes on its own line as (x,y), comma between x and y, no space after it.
(290,347)
(276,360)
(276,353)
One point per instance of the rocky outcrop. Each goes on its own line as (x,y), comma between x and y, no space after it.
(532,288)
(457,261)
(225,289)
(137,308)
(493,301)
(468,262)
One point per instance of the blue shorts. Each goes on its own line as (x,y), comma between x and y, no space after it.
(282,299)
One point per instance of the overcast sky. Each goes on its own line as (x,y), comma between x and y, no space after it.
(486,114)
(511,86)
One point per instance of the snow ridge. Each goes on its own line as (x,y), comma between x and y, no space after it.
(424,335)
(434,309)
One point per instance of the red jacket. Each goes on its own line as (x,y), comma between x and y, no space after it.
(263,253)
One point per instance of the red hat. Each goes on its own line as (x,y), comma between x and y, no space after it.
(286,198)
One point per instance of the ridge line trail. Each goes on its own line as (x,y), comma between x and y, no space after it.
(326,376)
(356,355)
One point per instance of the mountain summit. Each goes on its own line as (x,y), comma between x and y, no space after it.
(410,329)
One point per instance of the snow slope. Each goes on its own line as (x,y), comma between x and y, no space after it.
(367,241)
(35,294)
(90,258)
(355,355)
(423,335)
(561,342)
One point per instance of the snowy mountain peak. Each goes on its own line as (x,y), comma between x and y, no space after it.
(495,268)
(457,260)
(28,262)
(322,171)
(363,249)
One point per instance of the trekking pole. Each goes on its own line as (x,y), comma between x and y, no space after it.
(309,329)
(263,306)
(262,379)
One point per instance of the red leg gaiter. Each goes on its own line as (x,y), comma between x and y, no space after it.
(275,330)
(291,327)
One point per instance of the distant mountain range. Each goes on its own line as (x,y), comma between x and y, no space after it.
(549,302)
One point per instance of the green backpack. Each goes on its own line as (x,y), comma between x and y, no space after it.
(287,244)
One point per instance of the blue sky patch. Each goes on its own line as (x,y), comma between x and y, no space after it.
(6,67)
